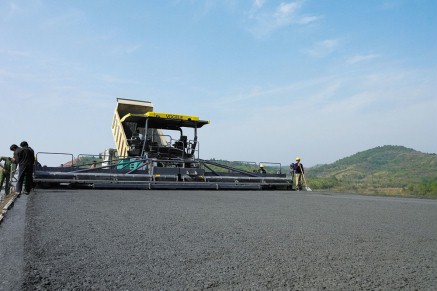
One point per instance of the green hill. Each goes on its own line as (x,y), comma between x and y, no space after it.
(392,170)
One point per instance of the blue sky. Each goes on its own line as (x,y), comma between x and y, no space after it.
(318,79)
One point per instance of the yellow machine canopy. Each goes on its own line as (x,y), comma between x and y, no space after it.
(162,120)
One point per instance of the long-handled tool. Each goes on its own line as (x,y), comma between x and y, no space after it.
(304,180)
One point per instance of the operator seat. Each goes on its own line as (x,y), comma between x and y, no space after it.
(181,143)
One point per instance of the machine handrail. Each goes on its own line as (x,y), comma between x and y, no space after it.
(273,163)
(229,168)
(54,153)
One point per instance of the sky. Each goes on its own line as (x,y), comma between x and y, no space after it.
(322,80)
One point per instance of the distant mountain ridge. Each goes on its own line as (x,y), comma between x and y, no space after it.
(387,169)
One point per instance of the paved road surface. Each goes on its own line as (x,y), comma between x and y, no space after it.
(136,240)
(11,246)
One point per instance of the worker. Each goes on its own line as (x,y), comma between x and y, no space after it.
(136,135)
(261,169)
(298,174)
(141,133)
(14,149)
(292,175)
(25,158)
(5,173)
(292,169)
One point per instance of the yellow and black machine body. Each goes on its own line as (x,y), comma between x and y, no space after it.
(156,150)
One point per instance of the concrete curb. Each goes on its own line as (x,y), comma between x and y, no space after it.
(8,206)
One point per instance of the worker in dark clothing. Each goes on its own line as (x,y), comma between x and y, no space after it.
(25,158)
(14,149)
(293,177)
(298,174)
(136,135)
(261,169)
(5,173)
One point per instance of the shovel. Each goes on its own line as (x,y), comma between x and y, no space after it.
(304,180)
(306,186)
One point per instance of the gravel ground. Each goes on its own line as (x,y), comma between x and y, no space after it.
(176,240)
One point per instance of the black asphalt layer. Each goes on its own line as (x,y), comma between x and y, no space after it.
(11,246)
(175,240)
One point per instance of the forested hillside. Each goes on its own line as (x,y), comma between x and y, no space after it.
(381,170)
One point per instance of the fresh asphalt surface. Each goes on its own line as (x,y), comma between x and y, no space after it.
(173,240)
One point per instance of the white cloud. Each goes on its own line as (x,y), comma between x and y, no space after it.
(285,13)
(265,20)
(322,48)
(15,53)
(307,19)
(258,3)
(361,58)
(286,9)
(12,10)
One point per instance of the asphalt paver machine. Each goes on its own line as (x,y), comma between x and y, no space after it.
(156,150)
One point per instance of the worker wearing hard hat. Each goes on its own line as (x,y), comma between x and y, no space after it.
(298,174)
(5,173)
(261,169)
